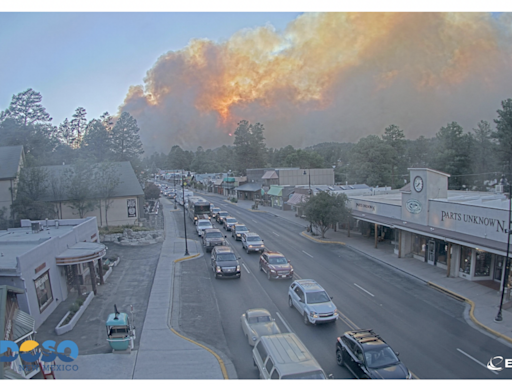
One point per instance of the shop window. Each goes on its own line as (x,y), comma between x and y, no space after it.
(465,260)
(442,252)
(483,263)
(420,245)
(43,291)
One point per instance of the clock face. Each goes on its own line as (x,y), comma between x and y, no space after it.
(418,184)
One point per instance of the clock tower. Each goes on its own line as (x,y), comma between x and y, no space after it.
(425,184)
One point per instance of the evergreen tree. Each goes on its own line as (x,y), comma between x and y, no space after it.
(503,135)
(79,126)
(370,162)
(97,142)
(395,138)
(126,144)
(250,146)
(26,109)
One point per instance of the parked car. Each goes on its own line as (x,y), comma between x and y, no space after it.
(312,302)
(367,356)
(256,323)
(237,230)
(275,265)
(202,225)
(212,237)
(252,242)
(228,222)
(220,216)
(225,262)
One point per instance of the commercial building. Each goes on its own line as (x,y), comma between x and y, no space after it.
(47,260)
(463,232)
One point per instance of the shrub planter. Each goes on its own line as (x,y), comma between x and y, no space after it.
(60,330)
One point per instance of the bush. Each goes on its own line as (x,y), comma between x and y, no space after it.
(234,200)
(74,308)
(105,267)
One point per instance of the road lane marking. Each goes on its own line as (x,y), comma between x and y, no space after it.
(254,220)
(361,288)
(276,234)
(296,274)
(307,254)
(246,268)
(475,360)
(284,322)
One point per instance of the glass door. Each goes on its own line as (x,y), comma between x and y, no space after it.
(431,258)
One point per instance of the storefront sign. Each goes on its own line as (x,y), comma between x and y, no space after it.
(132,207)
(365,206)
(500,225)
(413,206)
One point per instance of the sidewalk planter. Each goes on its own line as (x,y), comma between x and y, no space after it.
(60,330)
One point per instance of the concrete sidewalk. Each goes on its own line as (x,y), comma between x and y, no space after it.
(162,353)
(483,302)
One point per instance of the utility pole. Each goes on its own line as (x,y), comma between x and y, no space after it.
(184,219)
(499,316)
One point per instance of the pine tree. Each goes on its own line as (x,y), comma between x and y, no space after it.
(126,144)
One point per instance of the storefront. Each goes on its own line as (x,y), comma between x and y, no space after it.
(462,232)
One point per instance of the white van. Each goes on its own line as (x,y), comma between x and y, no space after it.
(284,356)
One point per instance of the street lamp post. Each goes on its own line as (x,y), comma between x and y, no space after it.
(175,193)
(499,316)
(184,219)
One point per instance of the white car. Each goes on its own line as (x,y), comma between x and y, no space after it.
(252,242)
(256,323)
(312,302)
(202,225)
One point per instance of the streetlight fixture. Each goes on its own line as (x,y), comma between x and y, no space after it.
(503,182)
(183,183)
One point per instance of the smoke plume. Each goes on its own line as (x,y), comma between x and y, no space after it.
(329,77)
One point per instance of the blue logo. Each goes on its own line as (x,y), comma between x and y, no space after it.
(66,351)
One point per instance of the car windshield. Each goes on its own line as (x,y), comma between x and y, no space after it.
(205,225)
(241,228)
(378,358)
(254,238)
(259,319)
(317,297)
(223,214)
(278,260)
(231,220)
(215,210)
(226,257)
(204,222)
(315,375)
(213,234)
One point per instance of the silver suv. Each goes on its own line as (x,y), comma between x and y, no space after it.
(252,242)
(312,302)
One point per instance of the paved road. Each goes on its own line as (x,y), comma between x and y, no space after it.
(426,326)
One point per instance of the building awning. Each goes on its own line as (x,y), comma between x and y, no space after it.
(23,325)
(250,187)
(275,191)
(297,198)
(270,175)
(218,182)
(81,253)
(229,179)
(437,233)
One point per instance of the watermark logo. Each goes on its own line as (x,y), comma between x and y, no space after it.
(31,352)
(492,367)
(495,362)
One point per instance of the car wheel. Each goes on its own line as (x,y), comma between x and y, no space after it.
(339,356)
(290,302)
(261,268)
(247,250)
(268,275)
(306,320)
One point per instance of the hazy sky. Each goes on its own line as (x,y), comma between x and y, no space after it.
(188,78)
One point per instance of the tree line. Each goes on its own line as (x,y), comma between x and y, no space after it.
(472,158)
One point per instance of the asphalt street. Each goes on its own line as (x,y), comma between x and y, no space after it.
(425,326)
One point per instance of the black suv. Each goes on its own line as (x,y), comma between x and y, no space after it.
(367,356)
(212,237)
(225,262)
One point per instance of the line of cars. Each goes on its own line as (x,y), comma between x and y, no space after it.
(364,353)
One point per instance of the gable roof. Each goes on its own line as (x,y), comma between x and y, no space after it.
(128,183)
(10,160)
(270,175)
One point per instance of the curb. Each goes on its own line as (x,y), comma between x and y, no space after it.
(187,258)
(321,241)
(471,311)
